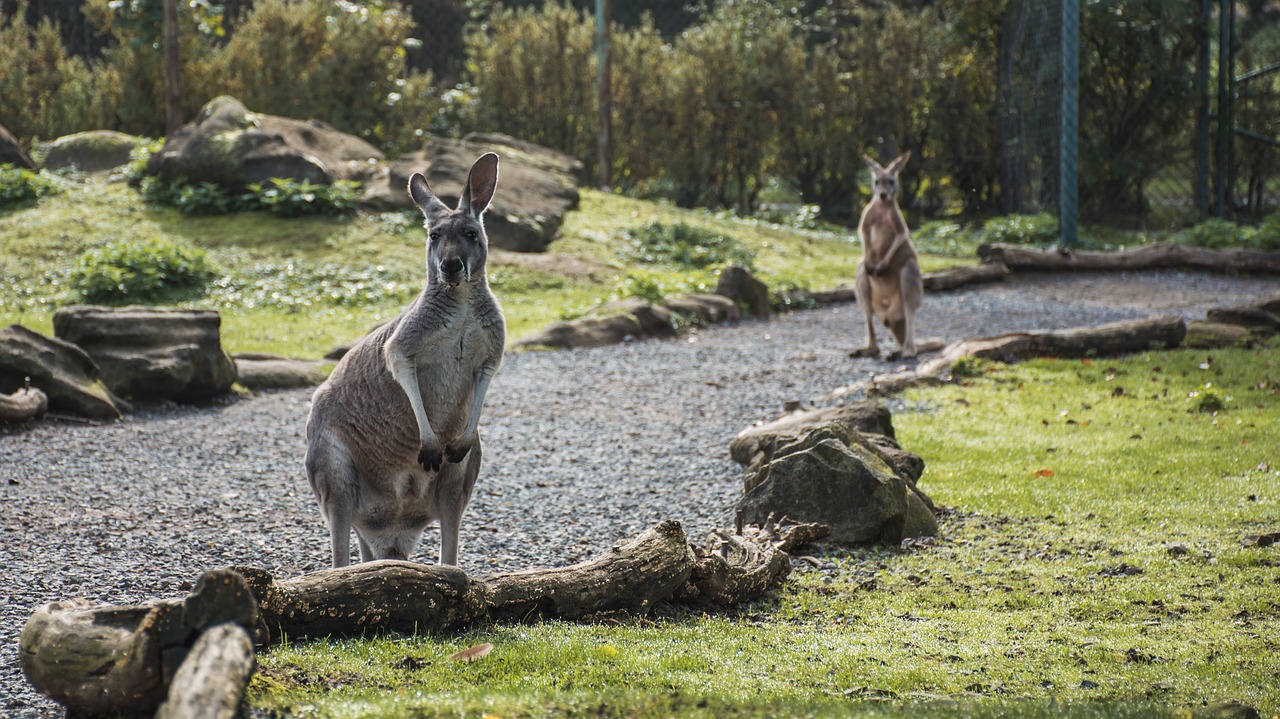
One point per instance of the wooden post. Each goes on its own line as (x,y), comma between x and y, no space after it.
(605,63)
(172,96)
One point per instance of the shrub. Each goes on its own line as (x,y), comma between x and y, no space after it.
(19,185)
(1040,229)
(1215,233)
(1267,237)
(290,198)
(685,245)
(1208,399)
(642,285)
(147,271)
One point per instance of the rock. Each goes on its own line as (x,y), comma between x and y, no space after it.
(60,369)
(12,152)
(92,151)
(1270,303)
(738,284)
(262,372)
(706,309)
(233,147)
(867,417)
(819,478)
(1207,335)
(608,324)
(536,186)
(152,353)
(1176,549)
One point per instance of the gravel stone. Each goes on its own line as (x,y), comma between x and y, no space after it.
(583,448)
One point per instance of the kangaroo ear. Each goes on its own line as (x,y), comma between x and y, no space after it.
(422,195)
(481,183)
(875,166)
(899,162)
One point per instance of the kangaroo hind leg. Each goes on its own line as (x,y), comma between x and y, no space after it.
(453,492)
(332,475)
(862,290)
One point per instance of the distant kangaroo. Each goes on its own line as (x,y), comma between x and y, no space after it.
(888,283)
(392,440)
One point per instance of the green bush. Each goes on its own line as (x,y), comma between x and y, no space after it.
(1216,233)
(1040,229)
(1208,399)
(18,185)
(1267,236)
(149,271)
(289,198)
(685,245)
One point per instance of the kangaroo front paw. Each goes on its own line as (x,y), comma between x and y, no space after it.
(457,452)
(430,457)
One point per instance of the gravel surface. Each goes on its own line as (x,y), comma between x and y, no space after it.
(582,448)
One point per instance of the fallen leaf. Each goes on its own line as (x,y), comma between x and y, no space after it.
(471,654)
(1044,472)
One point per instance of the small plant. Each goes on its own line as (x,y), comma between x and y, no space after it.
(970,366)
(1208,398)
(18,185)
(147,271)
(1215,233)
(290,198)
(1040,229)
(642,285)
(685,245)
(943,238)
(1267,236)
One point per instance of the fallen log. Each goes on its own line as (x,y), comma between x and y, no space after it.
(26,403)
(102,659)
(1161,255)
(1104,340)
(211,682)
(957,277)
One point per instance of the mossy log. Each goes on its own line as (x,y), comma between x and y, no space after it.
(1161,255)
(101,659)
(957,277)
(211,682)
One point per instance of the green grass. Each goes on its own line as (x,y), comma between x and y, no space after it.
(301,286)
(1050,592)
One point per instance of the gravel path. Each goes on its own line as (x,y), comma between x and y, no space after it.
(582,448)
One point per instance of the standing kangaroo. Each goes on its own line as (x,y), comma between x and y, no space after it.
(888,283)
(392,442)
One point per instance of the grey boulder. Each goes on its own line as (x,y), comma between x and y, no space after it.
(60,369)
(536,186)
(152,353)
(92,151)
(738,284)
(230,146)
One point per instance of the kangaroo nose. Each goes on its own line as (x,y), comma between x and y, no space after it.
(452,266)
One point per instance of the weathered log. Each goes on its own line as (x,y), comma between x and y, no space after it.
(211,682)
(1160,255)
(26,403)
(630,577)
(957,277)
(103,659)
(1104,340)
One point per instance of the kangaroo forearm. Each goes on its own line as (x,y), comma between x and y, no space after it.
(405,374)
(477,399)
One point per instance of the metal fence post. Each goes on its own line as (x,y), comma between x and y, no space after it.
(1225,120)
(1069,138)
(605,66)
(1202,110)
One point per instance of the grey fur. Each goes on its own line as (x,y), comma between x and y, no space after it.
(392,437)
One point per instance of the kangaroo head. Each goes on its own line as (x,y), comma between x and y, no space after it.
(457,247)
(884,180)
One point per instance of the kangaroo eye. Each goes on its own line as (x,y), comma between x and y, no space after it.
(434,235)
(470,234)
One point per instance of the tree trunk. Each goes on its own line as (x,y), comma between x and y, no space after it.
(102,659)
(1157,256)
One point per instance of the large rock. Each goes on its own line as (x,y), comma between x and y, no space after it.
(536,186)
(822,478)
(12,152)
(92,151)
(868,417)
(60,369)
(738,284)
(152,353)
(233,147)
(704,309)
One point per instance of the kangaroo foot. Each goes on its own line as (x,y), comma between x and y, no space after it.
(869,351)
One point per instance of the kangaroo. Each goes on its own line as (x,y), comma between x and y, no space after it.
(888,283)
(392,438)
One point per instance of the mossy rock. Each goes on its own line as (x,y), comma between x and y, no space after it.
(92,151)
